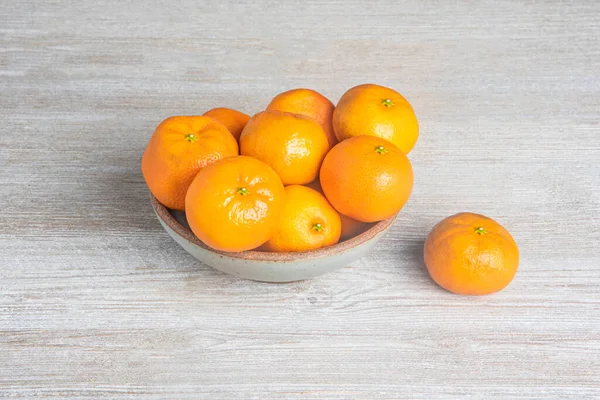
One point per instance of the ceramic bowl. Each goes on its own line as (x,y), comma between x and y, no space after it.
(270,267)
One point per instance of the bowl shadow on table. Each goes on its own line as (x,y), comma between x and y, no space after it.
(414,254)
(406,253)
(413,265)
(126,197)
(126,194)
(201,270)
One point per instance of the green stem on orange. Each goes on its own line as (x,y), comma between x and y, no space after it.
(190,138)
(480,231)
(387,102)
(243,191)
(380,150)
(318,227)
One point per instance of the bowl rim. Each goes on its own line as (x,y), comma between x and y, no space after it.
(166,217)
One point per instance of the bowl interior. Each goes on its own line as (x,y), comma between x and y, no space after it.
(176,221)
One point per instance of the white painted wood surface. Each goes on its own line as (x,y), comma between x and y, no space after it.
(97,302)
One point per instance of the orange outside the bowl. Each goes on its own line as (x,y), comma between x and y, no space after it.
(471,254)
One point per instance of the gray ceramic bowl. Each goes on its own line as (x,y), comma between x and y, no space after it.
(270,267)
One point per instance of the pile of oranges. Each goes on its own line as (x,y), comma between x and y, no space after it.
(305,174)
(300,175)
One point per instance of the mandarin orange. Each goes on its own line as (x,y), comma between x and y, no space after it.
(309,103)
(234,120)
(235,204)
(366,178)
(307,222)
(376,111)
(350,227)
(471,254)
(293,145)
(178,149)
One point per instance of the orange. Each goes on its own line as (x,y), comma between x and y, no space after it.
(376,111)
(234,120)
(309,103)
(350,227)
(471,254)
(293,145)
(178,149)
(235,204)
(316,185)
(307,222)
(366,178)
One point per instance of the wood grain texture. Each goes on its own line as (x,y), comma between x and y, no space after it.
(96,301)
